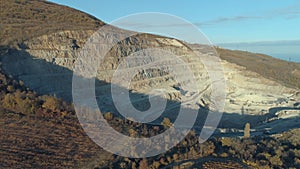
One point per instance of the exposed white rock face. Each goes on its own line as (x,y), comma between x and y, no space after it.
(45,64)
(254,93)
(264,100)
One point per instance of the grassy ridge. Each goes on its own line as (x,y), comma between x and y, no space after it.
(24,19)
(284,72)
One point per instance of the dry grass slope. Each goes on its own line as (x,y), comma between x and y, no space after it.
(267,66)
(24,19)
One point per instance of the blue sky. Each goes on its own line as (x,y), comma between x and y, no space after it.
(229,21)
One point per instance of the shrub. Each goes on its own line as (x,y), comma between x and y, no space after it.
(247,130)
(166,123)
(18,102)
(51,103)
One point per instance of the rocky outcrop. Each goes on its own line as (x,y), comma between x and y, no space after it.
(46,65)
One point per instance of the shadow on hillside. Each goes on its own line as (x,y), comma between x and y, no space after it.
(48,78)
(274,110)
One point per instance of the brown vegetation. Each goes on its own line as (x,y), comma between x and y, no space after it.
(24,19)
(247,130)
(41,131)
(267,66)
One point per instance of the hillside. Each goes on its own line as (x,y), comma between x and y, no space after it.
(40,129)
(24,19)
(43,131)
(287,73)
